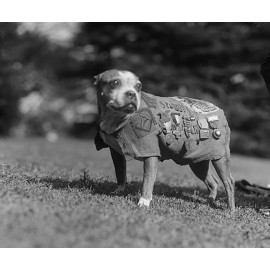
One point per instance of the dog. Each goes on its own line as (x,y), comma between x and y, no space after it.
(138,125)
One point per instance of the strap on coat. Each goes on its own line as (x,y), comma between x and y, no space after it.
(100,144)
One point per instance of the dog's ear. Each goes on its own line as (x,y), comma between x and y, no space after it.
(96,79)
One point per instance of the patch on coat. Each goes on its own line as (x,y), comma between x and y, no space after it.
(142,123)
(199,106)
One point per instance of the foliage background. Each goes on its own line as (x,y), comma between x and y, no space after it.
(47,68)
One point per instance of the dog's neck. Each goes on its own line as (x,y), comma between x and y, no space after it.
(110,120)
(113,121)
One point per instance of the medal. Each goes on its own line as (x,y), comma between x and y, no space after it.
(187,127)
(204,134)
(169,138)
(216,134)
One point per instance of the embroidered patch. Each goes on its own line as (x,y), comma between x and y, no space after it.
(142,123)
(172,105)
(199,106)
(151,102)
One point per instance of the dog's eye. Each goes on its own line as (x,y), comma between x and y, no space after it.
(138,87)
(114,84)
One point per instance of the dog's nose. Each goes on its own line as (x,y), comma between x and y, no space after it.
(130,94)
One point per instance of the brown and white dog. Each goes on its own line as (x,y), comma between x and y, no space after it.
(138,125)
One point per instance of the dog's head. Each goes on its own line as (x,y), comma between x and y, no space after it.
(118,91)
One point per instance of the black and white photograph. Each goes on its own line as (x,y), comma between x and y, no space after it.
(134,134)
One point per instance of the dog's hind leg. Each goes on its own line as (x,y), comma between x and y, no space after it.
(120,167)
(202,171)
(222,167)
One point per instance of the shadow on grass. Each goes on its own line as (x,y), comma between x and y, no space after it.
(199,195)
(251,201)
(133,188)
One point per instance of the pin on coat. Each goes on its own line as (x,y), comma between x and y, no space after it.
(138,125)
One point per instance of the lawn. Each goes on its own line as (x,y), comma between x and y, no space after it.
(59,195)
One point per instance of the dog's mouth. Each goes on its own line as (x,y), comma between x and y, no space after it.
(128,108)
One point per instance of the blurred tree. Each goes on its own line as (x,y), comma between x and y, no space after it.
(9,96)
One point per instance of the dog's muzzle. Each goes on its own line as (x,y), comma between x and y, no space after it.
(128,108)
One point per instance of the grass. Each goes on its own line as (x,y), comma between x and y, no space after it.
(59,195)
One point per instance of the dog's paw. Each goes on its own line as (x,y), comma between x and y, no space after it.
(144,202)
(211,201)
(119,190)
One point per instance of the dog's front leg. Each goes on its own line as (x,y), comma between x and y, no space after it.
(149,178)
(120,167)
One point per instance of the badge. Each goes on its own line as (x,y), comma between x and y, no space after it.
(195,129)
(214,125)
(165,121)
(203,123)
(213,121)
(177,133)
(176,117)
(168,126)
(212,118)
(187,127)
(164,116)
(204,134)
